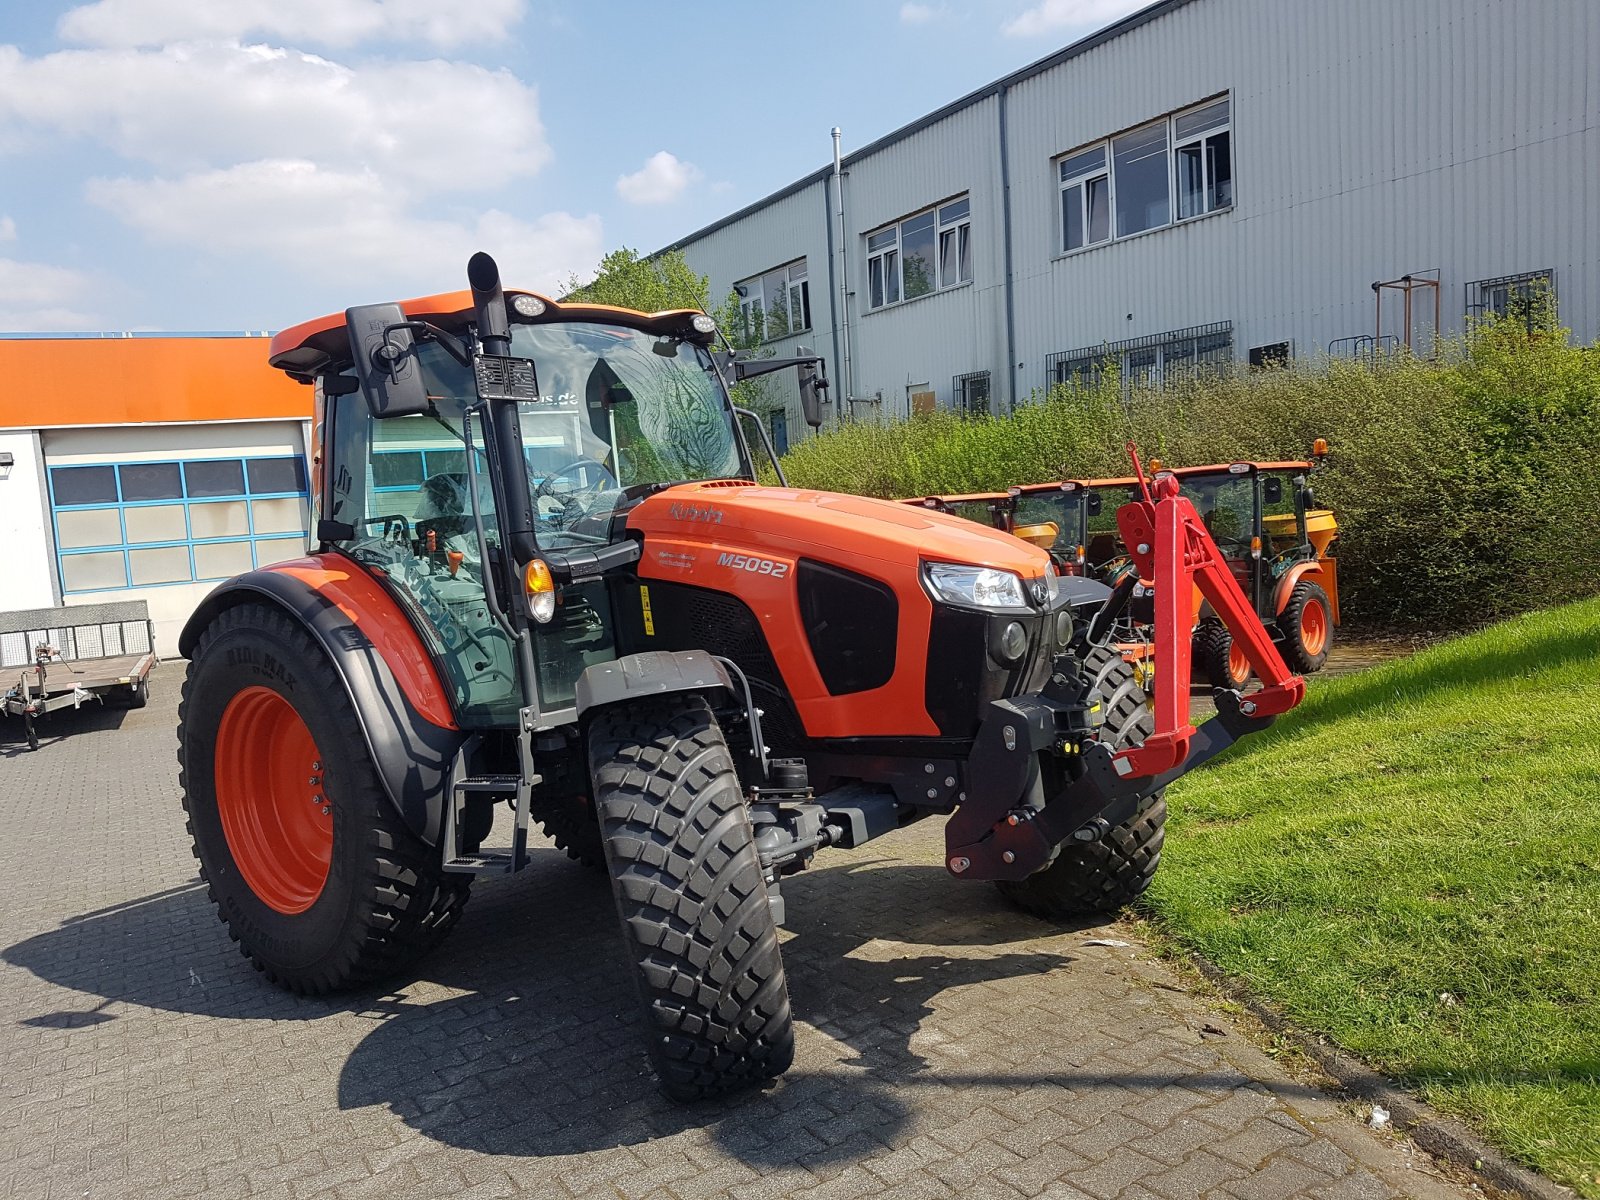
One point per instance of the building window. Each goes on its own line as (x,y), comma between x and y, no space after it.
(924,253)
(1141,179)
(1204,160)
(971,393)
(1146,362)
(147,524)
(775,304)
(1172,169)
(1085,199)
(1529,298)
(1274,356)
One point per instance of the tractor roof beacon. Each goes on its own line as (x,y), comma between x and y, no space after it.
(545,577)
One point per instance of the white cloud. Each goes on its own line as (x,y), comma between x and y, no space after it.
(8,230)
(292,215)
(196,105)
(38,298)
(663,178)
(322,22)
(916,14)
(1058,16)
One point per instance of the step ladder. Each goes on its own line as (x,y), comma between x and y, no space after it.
(516,788)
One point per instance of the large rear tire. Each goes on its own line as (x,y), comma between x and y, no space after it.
(1087,878)
(1307,625)
(690,893)
(312,871)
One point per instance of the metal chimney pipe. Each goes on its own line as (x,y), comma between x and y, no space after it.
(848,397)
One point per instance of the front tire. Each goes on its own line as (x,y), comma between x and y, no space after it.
(312,871)
(1087,878)
(690,893)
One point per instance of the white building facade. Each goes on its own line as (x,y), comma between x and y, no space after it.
(1204,181)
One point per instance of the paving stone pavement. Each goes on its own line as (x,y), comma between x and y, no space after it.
(947,1045)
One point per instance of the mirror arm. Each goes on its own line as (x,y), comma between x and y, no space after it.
(766,366)
(424,331)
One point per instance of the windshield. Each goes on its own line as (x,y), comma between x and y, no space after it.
(617,408)
(1056,508)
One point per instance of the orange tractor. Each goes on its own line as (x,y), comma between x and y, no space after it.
(1278,544)
(546,586)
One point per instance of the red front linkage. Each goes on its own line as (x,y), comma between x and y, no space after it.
(1173,550)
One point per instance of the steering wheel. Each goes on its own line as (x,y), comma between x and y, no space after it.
(544,488)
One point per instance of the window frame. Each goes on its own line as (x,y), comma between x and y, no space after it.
(1106,146)
(753,300)
(889,255)
(246,496)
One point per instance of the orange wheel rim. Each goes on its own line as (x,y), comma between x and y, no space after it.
(275,814)
(1314,628)
(1238,664)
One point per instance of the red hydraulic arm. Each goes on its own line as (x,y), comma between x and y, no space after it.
(1173,550)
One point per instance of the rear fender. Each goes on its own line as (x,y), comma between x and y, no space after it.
(1327,575)
(399,701)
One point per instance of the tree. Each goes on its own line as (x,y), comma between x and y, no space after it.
(666,281)
(647,284)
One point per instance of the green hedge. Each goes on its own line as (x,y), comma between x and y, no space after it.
(1467,487)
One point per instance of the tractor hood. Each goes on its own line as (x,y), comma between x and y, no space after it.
(742,517)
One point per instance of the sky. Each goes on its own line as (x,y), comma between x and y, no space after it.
(190,165)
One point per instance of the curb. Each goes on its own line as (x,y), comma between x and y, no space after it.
(1443,1137)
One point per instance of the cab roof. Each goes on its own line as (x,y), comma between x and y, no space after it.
(1223,468)
(306,350)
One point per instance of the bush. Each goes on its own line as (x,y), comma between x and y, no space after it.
(1466,487)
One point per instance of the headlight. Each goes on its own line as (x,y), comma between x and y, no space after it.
(975,587)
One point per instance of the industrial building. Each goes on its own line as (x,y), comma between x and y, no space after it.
(1204,181)
(146,467)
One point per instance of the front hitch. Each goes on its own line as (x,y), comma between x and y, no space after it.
(1039,774)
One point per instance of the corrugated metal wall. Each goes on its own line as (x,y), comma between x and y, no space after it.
(1370,140)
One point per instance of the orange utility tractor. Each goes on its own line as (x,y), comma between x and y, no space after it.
(1264,518)
(547,587)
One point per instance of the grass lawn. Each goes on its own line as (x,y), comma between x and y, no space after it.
(1410,864)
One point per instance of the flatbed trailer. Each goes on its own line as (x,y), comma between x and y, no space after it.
(55,658)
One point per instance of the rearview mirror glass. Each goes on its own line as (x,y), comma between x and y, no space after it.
(385,361)
(1272,490)
(812,385)
(1093,504)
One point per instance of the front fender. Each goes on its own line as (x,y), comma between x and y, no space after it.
(651,673)
(400,703)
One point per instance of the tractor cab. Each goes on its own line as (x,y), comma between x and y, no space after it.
(1277,544)
(491,491)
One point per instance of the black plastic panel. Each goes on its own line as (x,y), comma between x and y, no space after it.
(852,624)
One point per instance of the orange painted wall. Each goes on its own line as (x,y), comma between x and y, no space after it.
(51,382)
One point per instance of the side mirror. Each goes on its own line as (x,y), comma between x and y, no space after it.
(1272,490)
(385,361)
(812,384)
(1093,504)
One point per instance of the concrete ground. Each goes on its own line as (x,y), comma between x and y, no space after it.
(948,1046)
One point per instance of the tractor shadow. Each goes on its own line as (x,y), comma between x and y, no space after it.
(522,1033)
(553,1064)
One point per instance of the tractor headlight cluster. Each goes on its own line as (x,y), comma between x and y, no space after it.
(974,587)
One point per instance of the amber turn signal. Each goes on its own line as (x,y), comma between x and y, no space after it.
(540,589)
